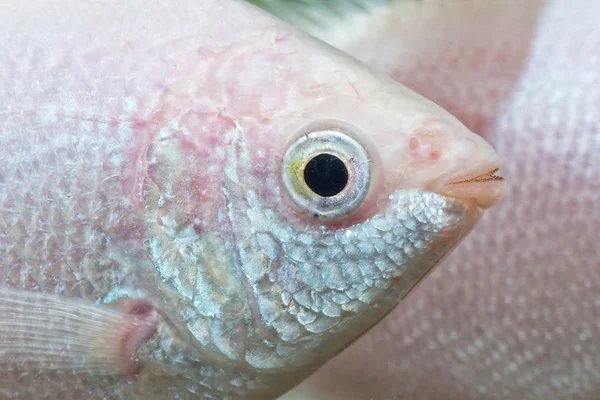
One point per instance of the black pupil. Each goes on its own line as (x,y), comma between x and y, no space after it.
(326,175)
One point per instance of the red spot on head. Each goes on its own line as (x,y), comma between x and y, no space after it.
(425,145)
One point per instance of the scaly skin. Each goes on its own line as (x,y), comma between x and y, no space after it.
(515,312)
(140,168)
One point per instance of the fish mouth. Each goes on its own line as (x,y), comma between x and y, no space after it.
(485,177)
(483,187)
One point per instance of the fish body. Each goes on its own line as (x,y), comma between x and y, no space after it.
(161,231)
(513,313)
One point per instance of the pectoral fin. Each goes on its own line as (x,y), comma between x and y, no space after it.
(47,331)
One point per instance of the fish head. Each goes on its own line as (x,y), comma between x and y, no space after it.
(286,216)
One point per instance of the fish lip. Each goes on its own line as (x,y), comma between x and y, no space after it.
(479,177)
(482,186)
(461,177)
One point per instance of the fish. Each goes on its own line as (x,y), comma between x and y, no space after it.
(513,312)
(203,201)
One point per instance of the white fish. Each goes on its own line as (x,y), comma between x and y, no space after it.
(199,201)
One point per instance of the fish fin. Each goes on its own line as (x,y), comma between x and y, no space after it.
(46,331)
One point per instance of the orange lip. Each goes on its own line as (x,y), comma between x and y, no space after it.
(486,177)
(484,189)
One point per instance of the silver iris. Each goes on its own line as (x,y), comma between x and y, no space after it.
(326,173)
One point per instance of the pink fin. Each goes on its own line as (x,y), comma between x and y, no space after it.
(45,331)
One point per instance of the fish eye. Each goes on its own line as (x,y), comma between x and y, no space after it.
(326,173)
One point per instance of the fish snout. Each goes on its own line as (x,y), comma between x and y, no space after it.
(473,173)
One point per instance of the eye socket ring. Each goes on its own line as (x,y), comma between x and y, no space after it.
(326,173)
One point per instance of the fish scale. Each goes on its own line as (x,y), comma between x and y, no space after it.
(58,209)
